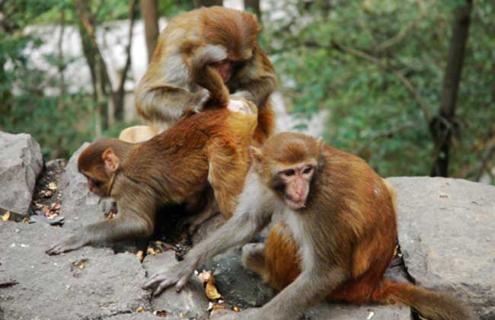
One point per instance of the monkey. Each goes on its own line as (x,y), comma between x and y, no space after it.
(201,151)
(336,236)
(226,40)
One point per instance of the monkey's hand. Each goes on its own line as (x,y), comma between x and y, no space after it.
(72,243)
(177,275)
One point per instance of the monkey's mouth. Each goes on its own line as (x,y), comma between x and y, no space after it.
(295,204)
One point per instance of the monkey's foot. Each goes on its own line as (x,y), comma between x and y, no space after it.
(72,243)
(177,275)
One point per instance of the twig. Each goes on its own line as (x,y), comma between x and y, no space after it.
(385,134)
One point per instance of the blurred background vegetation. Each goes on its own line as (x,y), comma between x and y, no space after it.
(409,85)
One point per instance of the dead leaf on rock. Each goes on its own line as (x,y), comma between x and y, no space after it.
(140,255)
(6,216)
(160,313)
(80,264)
(152,251)
(52,186)
(208,280)
(140,309)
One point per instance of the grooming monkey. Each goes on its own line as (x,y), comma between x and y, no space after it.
(226,39)
(336,239)
(207,150)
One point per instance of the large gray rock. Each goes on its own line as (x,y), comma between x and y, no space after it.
(79,206)
(350,312)
(447,236)
(20,164)
(85,284)
(191,302)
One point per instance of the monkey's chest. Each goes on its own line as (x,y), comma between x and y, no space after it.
(301,236)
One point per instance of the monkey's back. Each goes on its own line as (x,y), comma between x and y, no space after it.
(184,150)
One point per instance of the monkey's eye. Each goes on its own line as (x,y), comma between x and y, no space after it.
(289,172)
(308,170)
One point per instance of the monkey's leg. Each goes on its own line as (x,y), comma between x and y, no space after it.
(197,220)
(226,170)
(281,257)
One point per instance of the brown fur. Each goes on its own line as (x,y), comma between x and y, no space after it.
(360,218)
(202,151)
(168,89)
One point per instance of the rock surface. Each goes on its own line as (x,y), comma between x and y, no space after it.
(238,286)
(79,206)
(20,163)
(447,237)
(85,284)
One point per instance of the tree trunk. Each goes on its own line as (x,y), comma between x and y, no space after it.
(254,7)
(99,75)
(120,93)
(444,125)
(207,3)
(61,62)
(149,12)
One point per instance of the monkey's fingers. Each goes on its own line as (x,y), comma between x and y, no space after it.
(182,282)
(54,250)
(160,282)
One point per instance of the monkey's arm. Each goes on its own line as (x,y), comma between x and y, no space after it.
(256,80)
(310,288)
(135,220)
(250,217)
(167,103)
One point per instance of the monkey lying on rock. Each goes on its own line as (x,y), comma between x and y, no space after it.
(336,240)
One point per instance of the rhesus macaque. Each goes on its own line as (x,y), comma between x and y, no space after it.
(336,238)
(202,151)
(225,39)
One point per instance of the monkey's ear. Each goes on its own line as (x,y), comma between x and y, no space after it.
(255,154)
(112,162)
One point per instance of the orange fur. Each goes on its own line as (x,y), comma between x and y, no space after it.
(169,88)
(358,210)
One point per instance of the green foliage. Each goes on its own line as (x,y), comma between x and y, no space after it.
(351,60)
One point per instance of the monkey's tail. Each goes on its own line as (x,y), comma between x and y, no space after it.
(430,305)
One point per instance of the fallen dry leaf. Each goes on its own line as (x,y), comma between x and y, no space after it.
(152,252)
(52,186)
(6,216)
(160,313)
(80,264)
(211,291)
(140,309)
(140,255)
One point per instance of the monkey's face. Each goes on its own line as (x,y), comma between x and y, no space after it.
(224,68)
(97,183)
(293,184)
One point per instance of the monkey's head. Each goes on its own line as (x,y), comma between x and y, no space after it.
(287,163)
(234,30)
(99,163)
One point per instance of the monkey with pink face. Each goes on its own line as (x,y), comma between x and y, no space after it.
(336,239)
